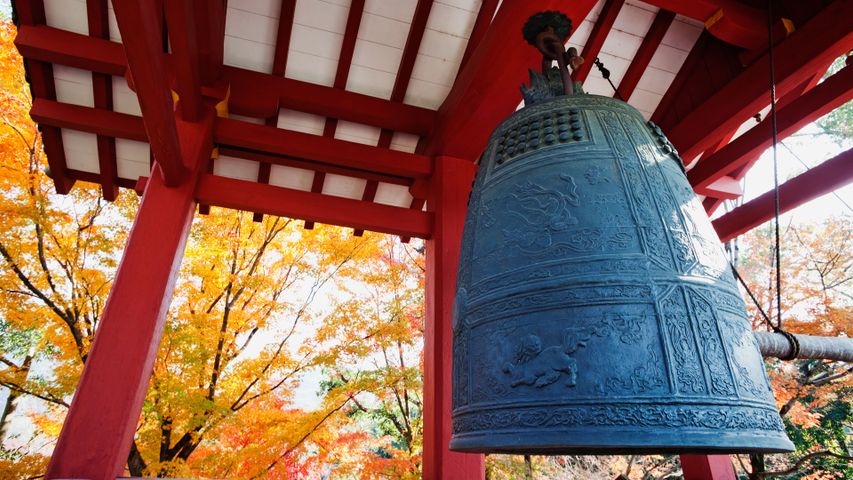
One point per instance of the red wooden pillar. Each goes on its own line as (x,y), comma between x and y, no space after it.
(707,467)
(448,201)
(97,433)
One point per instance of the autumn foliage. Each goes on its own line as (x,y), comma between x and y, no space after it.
(293,353)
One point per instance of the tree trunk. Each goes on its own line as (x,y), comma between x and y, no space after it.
(822,348)
(12,399)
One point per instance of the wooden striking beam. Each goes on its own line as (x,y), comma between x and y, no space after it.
(820,180)
(86,119)
(285,202)
(486,90)
(596,38)
(645,53)
(139,23)
(253,94)
(186,61)
(327,150)
(817,102)
(729,20)
(481,26)
(818,42)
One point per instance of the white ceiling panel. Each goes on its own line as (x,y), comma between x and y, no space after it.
(356,132)
(115,34)
(251,27)
(394,195)
(81,150)
(404,142)
(73,85)
(289,177)
(301,121)
(238,168)
(67,15)
(346,187)
(133,159)
(125,99)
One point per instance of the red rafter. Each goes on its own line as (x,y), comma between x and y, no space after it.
(344,62)
(279,65)
(271,200)
(596,38)
(818,42)
(820,100)
(30,13)
(820,180)
(645,53)
(139,26)
(181,20)
(102,90)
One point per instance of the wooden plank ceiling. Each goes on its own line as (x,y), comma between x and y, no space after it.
(384,69)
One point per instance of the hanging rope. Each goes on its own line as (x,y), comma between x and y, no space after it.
(606,74)
(795,345)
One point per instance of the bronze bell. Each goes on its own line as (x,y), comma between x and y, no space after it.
(595,310)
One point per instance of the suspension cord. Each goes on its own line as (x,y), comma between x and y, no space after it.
(773,127)
(606,74)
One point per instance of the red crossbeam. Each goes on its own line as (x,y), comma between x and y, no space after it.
(253,94)
(486,90)
(327,150)
(729,20)
(645,53)
(481,26)
(596,37)
(285,202)
(140,26)
(818,42)
(820,180)
(817,102)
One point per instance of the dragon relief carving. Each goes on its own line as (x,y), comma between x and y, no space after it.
(542,210)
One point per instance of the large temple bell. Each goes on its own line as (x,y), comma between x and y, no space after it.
(595,311)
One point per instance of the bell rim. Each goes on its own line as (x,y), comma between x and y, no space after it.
(620,442)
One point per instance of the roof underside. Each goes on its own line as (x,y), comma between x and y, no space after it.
(407,52)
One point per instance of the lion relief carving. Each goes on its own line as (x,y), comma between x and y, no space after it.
(539,367)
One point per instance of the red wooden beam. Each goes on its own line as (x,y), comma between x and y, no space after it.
(448,200)
(98,430)
(596,38)
(30,13)
(183,38)
(210,35)
(818,42)
(729,20)
(52,45)
(817,102)
(820,180)
(102,86)
(85,119)
(286,202)
(645,53)
(486,90)
(286,161)
(707,467)
(327,150)
(253,94)
(481,26)
(139,24)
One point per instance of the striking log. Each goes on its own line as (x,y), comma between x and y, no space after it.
(821,348)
